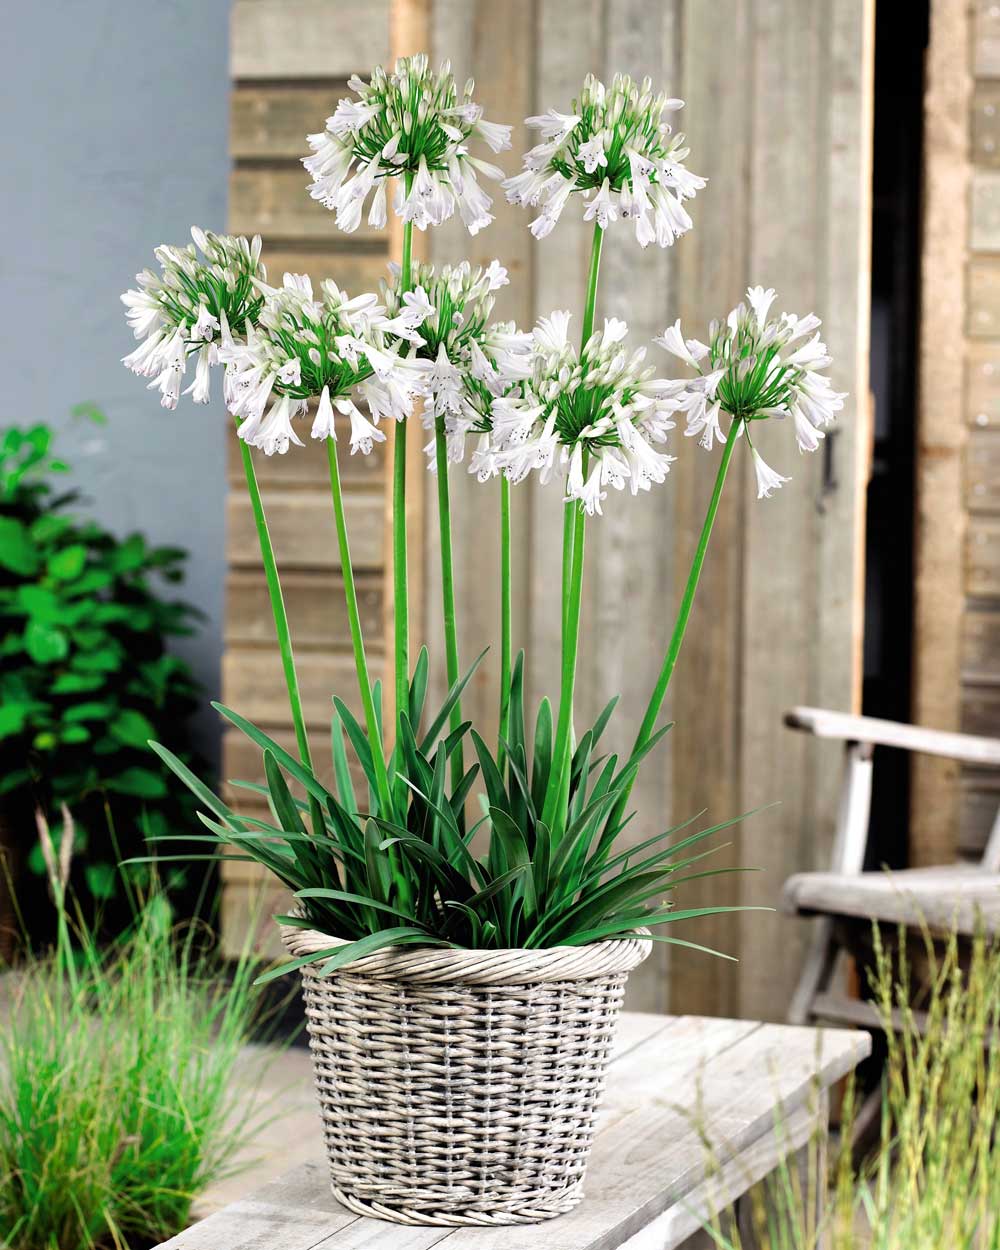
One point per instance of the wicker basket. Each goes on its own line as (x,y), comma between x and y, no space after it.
(461,1086)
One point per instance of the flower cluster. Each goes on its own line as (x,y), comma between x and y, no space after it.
(615,143)
(410,123)
(752,369)
(470,361)
(192,307)
(332,349)
(594,416)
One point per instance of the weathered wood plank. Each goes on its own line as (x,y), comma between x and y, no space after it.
(986,40)
(308,466)
(982,386)
(986,125)
(711,271)
(307,38)
(978,803)
(254,684)
(939,524)
(984,235)
(316,609)
(943,898)
(846,728)
(275,203)
(982,471)
(982,559)
(303,532)
(983,316)
(293,1213)
(269,121)
(981,709)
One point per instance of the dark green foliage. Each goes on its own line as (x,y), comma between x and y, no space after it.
(85,677)
(419,874)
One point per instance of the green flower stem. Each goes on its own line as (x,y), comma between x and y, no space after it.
(448,586)
(357,639)
(590,304)
(401,612)
(683,614)
(505,619)
(574,521)
(277,605)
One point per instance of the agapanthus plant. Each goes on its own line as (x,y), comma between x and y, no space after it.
(616,149)
(191,307)
(410,124)
(397,864)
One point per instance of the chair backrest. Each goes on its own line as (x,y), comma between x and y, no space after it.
(854,812)
(990,861)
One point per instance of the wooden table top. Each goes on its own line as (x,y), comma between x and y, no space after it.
(675,1083)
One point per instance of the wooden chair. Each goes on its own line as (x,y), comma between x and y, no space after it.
(846,899)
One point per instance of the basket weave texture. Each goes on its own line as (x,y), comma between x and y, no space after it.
(461,1086)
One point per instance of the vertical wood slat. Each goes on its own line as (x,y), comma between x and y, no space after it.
(941,427)
(801,580)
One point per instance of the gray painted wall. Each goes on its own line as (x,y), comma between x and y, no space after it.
(115,118)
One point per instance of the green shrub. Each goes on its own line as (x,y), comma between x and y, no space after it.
(85,675)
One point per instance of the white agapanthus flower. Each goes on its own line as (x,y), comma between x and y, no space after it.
(191,308)
(754,368)
(469,360)
(597,417)
(332,348)
(411,122)
(619,153)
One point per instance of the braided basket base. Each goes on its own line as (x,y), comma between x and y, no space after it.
(461,1087)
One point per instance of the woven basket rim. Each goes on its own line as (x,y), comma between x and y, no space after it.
(513,966)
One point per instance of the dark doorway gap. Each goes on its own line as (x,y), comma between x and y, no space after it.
(900,48)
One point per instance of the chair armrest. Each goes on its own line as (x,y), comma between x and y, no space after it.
(968,748)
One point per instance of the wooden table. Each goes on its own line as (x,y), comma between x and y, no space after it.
(756,1092)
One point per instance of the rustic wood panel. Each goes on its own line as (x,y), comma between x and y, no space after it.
(317,613)
(982,386)
(981,709)
(986,39)
(986,125)
(275,203)
(981,646)
(255,686)
(802,563)
(308,465)
(302,530)
(270,121)
(941,425)
(985,224)
(982,560)
(307,38)
(978,803)
(982,471)
(983,318)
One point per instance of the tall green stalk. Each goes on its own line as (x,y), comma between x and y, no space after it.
(400,593)
(357,639)
(574,521)
(683,615)
(505,620)
(448,586)
(277,605)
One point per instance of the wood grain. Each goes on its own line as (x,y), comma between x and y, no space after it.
(317,614)
(695,1111)
(939,585)
(270,121)
(302,530)
(254,685)
(307,38)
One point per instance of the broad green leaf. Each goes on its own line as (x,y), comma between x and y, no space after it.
(67,564)
(132,727)
(44,643)
(102,881)
(139,782)
(17,551)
